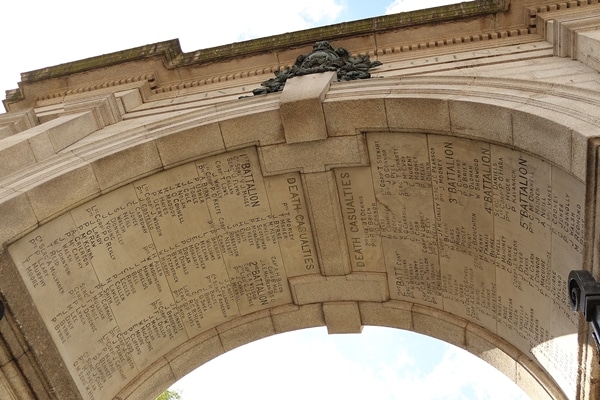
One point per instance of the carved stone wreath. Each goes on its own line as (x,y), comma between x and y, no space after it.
(323,58)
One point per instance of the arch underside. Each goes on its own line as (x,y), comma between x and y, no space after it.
(462,226)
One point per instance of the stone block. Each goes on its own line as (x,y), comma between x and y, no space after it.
(316,156)
(42,146)
(129,99)
(396,314)
(106,110)
(367,286)
(486,121)
(14,345)
(350,117)
(246,329)
(150,383)
(530,385)
(342,317)
(195,352)
(33,384)
(301,107)
(189,144)
(13,123)
(15,154)
(68,129)
(440,325)
(588,48)
(579,156)
(127,165)
(55,195)
(32,327)
(418,114)
(43,141)
(491,349)
(327,223)
(6,392)
(19,386)
(543,136)
(291,317)
(6,131)
(264,127)
(18,216)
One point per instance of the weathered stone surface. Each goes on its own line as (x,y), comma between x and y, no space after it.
(127,165)
(489,121)
(246,329)
(196,351)
(315,156)
(190,144)
(343,117)
(493,350)
(291,317)
(15,154)
(149,384)
(18,214)
(418,114)
(440,325)
(165,222)
(301,109)
(391,314)
(342,317)
(53,196)
(358,287)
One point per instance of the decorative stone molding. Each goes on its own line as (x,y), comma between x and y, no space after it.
(21,377)
(171,56)
(102,87)
(94,151)
(338,284)
(11,124)
(575,34)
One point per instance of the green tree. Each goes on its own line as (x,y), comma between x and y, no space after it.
(169,395)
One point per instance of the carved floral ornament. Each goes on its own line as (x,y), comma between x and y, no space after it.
(323,58)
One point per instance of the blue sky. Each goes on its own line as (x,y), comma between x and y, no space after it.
(381,364)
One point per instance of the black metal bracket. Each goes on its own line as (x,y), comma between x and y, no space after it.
(584,293)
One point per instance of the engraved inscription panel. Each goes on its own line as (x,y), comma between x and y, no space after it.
(140,270)
(478,230)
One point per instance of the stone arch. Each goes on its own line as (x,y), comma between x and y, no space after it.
(393,314)
(552,124)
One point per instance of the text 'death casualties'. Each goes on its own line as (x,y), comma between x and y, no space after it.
(478,230)
(142,269)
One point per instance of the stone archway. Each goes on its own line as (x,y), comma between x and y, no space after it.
(164,254)
(380,360)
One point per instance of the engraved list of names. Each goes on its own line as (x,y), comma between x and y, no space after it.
(479,230)
(127,277)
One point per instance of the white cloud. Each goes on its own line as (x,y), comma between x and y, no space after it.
(310,364)
(286,366)
(62,31)
(458,377)
(298,16)
(410,5)
(225,23)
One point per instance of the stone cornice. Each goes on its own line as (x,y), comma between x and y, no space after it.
(171,50)
(168,50)
(346,29)
(172,56)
